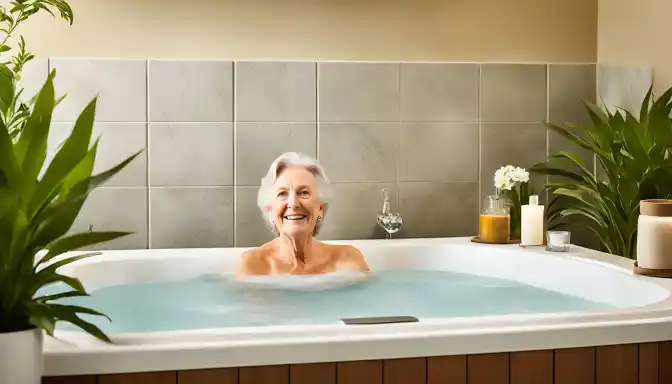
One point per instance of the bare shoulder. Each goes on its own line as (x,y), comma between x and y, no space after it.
(253,261)
(349,257)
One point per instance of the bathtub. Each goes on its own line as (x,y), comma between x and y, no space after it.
(577,343)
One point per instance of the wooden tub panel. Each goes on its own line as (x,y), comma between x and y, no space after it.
(646,363)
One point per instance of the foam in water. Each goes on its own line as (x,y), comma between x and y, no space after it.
(318,282)
(215,302)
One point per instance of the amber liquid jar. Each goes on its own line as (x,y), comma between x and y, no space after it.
(495,221)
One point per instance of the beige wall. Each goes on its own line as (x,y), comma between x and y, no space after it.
(454,30)
(637,32)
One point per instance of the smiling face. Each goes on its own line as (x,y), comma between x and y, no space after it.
(295,207)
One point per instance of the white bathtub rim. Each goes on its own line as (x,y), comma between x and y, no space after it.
(397,336)
(614,263)
(223,347)
(401,345)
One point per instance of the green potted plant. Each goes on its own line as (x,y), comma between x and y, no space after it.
(36,215)
(634,163)
(14,105)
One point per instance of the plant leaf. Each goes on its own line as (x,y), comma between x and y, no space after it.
(632,136)
(69,313)
(585,212)
(587,174)
(547,168)
(76,241)
(577,140)
(601,240)
(10,172)
(35,133)
(644,108)
(57,218)
(71,153)
(47,323)
(76,309)
(62,295)
(51,268)
(7,88)
(43,280)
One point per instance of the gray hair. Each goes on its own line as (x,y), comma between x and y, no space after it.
(288,159)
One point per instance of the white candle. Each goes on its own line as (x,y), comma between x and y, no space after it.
(654,234)
(532,222)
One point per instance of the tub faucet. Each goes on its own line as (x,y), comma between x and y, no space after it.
(390,221)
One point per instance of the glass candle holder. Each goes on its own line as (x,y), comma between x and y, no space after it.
(558,241)
(494,220)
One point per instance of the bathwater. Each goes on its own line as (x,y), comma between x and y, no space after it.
(214,301)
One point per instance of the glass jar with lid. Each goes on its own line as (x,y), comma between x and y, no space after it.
(495,220)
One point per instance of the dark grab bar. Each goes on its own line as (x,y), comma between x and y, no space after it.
(379,320)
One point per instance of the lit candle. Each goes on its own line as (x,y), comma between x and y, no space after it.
(558,241)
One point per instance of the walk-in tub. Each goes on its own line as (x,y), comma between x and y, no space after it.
(625,338)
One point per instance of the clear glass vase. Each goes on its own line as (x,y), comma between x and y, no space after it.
(495,219)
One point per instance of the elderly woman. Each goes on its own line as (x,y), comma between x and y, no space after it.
(293,198)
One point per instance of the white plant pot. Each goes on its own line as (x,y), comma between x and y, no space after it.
(21,357)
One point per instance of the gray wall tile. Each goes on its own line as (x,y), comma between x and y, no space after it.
(410,127)
(363,152)
(115,209)
(117,141)
(259,144)
(190,91)
(439,92)
(354,92)
(191,217)
(513,92)
(276,91)
(518,144)
(569,85)
(191,154)
(120,84)
(33,76)
(557,143)
(438,209)
(439,152)
(623,86)
(251,230)
(352,213)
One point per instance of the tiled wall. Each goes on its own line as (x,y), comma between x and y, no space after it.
(623,86)
(432,133)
